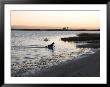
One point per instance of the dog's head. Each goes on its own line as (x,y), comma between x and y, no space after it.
(53,43)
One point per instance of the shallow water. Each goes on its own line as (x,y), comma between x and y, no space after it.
(29,55)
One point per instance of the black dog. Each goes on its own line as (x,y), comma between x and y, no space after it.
(51,46)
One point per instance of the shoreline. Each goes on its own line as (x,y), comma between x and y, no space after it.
(83,67)
(88,37)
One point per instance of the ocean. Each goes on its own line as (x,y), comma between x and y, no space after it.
(29,54)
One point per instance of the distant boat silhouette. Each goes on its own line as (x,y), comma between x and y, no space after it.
(65,28)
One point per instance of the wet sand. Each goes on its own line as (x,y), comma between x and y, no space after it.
(83,67)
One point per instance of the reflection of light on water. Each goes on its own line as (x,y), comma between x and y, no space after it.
(61,44)
(29,60)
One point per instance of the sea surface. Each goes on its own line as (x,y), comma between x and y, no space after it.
(29,55)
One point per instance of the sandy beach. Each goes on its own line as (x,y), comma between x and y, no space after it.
(83,67)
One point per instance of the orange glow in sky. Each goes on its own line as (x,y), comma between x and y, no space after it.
(55,19)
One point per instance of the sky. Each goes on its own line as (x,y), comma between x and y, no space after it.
(55,19)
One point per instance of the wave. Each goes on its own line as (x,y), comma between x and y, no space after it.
(30,46)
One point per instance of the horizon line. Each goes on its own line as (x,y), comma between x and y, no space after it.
(58,29)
